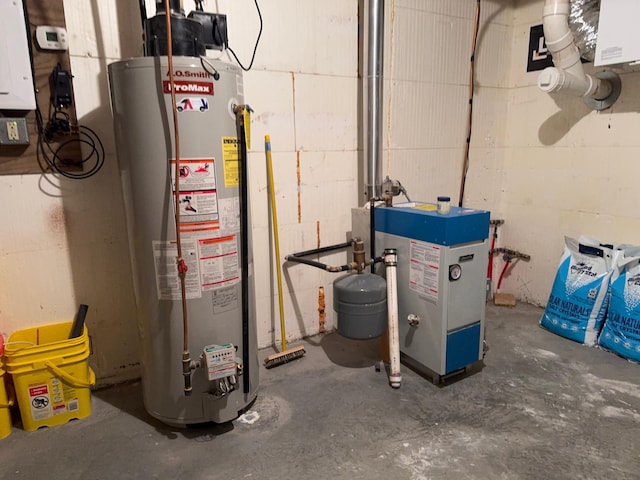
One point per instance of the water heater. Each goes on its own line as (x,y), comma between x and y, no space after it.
(224,346)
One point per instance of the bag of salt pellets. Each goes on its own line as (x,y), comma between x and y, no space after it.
(621,331)
(578,300)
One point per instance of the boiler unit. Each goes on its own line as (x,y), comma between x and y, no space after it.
(221,333)
(441,276)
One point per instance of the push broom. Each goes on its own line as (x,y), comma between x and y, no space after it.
(285,355)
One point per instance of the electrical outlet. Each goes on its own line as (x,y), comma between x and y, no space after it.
(13,131)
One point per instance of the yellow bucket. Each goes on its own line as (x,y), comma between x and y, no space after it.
(6,401)
(51,374)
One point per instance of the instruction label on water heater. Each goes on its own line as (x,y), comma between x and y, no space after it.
(424,271)
(195,174)
(167,279)
(231,161)
(198,196)
(219,262)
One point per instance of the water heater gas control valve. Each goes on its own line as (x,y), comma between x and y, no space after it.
(220,361)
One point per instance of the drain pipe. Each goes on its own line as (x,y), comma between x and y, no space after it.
(391,262)
(375,63)
(599,91)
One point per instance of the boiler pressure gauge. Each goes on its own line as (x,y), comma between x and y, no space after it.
(455,272)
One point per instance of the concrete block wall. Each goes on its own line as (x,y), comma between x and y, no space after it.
(567,170)
(427,96)
(547,165)
(64,242)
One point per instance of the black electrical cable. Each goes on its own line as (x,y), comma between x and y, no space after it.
(255,48)
(86,136)
(465,166)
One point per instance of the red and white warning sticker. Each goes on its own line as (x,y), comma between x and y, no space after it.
(40,400)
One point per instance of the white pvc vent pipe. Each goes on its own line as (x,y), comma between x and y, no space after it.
(391,262)
(568,75)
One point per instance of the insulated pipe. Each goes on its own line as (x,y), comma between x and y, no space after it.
(321,266)
(391,262)
(568,74)
(375,62)
(329,248)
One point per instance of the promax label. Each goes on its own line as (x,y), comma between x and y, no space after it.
(202,88)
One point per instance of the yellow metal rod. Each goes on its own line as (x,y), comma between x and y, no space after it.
(276,240)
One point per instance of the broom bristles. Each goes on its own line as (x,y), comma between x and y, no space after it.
(284,357)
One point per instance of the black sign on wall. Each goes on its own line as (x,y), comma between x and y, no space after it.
(539,56)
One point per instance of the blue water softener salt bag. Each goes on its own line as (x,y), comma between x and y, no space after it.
(621,331)
(578,300)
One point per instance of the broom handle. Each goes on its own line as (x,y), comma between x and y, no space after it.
(276,240)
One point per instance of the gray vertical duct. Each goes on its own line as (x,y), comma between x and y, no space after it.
(375,61)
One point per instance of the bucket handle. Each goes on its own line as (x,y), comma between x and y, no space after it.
(73,381)
(11,398)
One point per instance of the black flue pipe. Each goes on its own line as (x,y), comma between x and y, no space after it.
(244,244)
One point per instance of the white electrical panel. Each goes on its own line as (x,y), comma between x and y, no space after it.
(618,32)
(16,81)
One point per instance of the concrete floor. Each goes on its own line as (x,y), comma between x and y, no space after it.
(541,408)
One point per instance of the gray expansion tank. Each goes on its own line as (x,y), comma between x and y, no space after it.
(360,301)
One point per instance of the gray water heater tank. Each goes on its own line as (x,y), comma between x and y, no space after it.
(211,234)
(360,301)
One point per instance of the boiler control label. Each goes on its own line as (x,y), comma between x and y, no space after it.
(424,270)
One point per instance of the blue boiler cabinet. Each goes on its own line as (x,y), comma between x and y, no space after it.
(442,268)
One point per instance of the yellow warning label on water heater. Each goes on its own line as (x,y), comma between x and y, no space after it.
(230,161)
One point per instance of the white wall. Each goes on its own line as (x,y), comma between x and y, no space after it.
(63,242)
(538,166)
(567,170)
(428,96)
(303,89)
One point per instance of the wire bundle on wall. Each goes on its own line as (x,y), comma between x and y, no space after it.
(60,124)
(255,48)
(465,166)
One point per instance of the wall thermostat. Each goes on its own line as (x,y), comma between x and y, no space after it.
(52,38)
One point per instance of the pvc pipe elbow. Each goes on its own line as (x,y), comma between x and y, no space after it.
(554,80)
